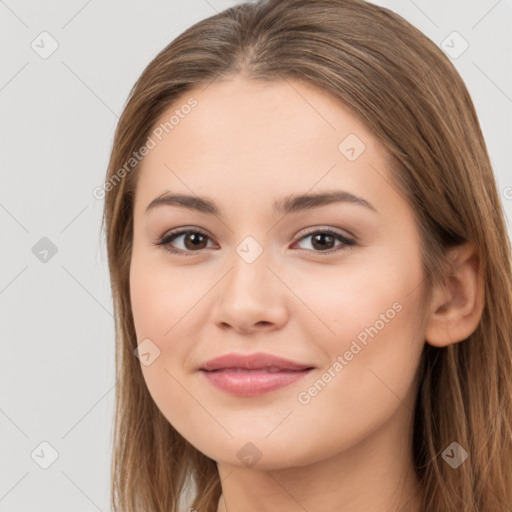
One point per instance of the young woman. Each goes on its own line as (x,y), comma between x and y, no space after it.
(311,273)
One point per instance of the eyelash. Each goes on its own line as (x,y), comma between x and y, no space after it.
(165,241)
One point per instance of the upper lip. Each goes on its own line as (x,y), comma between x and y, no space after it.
(257,361)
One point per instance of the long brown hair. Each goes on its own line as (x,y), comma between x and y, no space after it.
(413,100)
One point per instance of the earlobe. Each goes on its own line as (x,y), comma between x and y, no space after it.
(457,307)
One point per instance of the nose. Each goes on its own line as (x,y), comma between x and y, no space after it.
(250,298)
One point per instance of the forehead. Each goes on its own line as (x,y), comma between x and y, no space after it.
(249,139)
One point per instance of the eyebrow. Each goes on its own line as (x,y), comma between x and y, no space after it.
(289,204)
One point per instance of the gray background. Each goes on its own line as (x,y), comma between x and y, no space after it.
(58,119)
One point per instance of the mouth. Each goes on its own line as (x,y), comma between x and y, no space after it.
(251,375)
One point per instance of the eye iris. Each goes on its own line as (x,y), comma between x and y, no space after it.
(322,238)
(195,238)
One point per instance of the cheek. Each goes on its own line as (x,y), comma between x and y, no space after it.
(167,309)
(372,335)
(377,319)
(162,299)
(363,301)
(370,376)
(161,304)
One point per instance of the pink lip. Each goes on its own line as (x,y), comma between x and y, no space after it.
(254,374)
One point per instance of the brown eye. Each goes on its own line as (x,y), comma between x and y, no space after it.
(192,241)
(324,240)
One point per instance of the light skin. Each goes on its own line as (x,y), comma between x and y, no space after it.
(244,146)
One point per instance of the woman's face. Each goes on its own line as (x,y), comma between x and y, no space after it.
(336,287)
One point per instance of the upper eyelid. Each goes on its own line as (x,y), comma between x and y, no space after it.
(342,232)
(301,233)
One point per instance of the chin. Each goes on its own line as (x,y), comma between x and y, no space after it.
(262,453)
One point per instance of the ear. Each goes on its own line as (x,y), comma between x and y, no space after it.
(456,308)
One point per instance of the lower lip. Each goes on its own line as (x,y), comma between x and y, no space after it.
(252,382)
